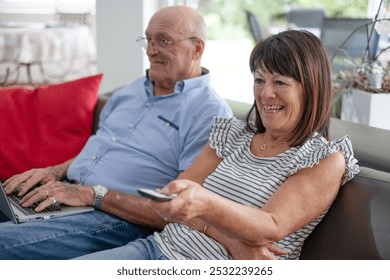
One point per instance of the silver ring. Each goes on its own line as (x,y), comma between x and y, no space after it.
(22,184)
(53,200)
(47,193)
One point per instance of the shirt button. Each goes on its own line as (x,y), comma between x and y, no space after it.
(131,126)
(147,104)
(94,157)
(113,138)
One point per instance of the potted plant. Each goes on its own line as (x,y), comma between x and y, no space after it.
(361,94)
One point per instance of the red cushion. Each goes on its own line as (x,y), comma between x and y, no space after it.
(45,126)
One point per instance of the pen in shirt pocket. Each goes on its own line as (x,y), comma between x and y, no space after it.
(167,122)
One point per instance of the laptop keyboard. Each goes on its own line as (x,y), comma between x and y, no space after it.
(30,210)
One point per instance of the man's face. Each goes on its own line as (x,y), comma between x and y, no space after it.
(170,51)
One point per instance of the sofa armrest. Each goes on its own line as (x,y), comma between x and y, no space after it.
(357,225)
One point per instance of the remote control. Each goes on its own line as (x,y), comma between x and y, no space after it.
(155,195)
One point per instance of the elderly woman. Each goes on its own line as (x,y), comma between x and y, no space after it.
(269,181)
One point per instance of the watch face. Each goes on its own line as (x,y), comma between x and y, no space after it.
(100,189)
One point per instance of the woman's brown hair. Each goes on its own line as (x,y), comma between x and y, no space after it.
(301,56)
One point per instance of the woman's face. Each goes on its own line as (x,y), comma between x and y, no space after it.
(279,100)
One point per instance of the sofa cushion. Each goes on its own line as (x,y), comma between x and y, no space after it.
(46,125)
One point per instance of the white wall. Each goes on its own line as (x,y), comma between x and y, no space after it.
(118,24)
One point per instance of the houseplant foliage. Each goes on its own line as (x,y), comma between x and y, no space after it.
(369,75)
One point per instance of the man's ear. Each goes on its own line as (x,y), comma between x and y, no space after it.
(199,45)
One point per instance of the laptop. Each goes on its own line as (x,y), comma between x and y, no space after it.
(10,207)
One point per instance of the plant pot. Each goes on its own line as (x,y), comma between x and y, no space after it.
(366,108)
(374,80)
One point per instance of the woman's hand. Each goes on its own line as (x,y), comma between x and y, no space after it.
(191,202)
(27,180)
(240,250)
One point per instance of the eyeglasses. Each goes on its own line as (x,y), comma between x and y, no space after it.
(160,43)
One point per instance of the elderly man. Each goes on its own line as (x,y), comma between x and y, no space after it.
(150,131)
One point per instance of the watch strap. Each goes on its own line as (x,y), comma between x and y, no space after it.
(100,192)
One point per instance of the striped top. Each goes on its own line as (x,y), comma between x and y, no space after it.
(251,180)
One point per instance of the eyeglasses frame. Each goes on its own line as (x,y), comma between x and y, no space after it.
(143,42)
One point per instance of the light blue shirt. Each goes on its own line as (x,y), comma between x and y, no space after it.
(145,141)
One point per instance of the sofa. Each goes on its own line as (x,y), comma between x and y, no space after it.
(357,225)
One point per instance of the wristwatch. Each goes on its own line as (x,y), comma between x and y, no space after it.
(100,192)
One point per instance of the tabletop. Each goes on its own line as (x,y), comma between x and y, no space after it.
(35,42)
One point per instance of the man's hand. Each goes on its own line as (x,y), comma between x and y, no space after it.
(58,192)
(27,180)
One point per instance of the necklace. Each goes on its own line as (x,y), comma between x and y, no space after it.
(264,145)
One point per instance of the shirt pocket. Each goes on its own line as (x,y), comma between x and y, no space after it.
(164,137)
(168,123)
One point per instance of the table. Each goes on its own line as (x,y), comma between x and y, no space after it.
(25,45)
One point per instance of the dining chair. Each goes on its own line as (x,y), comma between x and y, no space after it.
(305,18)
(347,40)
(254,26)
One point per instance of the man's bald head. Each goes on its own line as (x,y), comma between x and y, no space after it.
(186,21)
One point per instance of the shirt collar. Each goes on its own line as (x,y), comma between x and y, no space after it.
(183,85)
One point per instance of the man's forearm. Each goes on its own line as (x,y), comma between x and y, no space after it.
(132,209)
